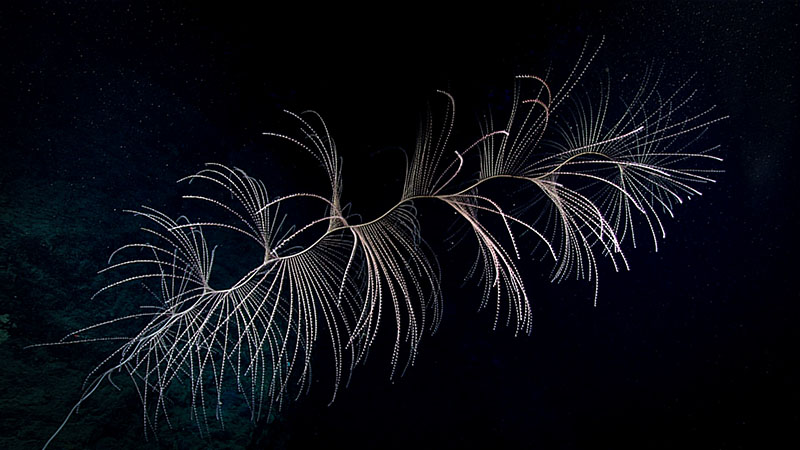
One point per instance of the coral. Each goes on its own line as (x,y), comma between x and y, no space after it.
(568,176)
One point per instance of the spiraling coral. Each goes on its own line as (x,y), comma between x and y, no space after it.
(584,179)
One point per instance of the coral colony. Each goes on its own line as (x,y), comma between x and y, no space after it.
(588,173)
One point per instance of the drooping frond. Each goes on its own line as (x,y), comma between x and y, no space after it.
(424,174)
(533,104)
(500,277)
(400,272)
(317,141)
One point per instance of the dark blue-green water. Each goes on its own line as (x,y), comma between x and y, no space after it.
(103,106)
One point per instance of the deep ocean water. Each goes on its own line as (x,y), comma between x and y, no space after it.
(106,105)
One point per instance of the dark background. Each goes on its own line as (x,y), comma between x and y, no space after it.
(106,104)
